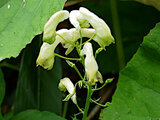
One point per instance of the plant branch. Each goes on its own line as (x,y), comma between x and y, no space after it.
(98,103)
(66,57)
(88,40)
(89,94)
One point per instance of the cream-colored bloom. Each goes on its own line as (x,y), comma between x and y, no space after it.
(77,20)
(49,34)
(71,36)
(66,84)
(91,67)
(83,17)
(46,55)
(103,33)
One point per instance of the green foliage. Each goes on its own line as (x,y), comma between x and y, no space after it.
(2,90)
(21,21)
(37,88)
(37,115)
(138,91)
(137,96)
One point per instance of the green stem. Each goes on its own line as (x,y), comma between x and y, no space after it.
(65,108)
(89,94)
(98,103)
(88,40)
(38,89)
(80,109)
(116,26)
(78,71)
(9,66)
(66,57)
(65,40)
(106,82)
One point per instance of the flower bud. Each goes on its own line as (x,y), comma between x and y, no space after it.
(102,31)
(66,84)
(49,34)
(91,67)
(46,55)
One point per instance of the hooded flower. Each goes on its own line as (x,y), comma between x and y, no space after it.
(46,55)
(66,84)
(50,27)
(84,17)
(77,20)
(103,33)
(91,67)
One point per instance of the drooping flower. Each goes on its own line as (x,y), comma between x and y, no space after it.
(49,34)
(84,17)
(46,55)
(66,84)
(91,67)
(103,33)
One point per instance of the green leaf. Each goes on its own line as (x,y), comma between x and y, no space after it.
(37,115)
(2,90)
(138,91)
(20,21)
(2,2)
(37,88)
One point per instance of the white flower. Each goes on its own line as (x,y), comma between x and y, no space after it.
(103,33)
(50,27)
(66,84)
(71,36)
(77,20)
(84,17)
(91,67)
(46,55)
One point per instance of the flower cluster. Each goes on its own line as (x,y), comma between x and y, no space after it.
(81,19)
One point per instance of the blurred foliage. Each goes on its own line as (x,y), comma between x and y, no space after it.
(36,115)
(137,96)
(2,90)
(154,3)
(37,88)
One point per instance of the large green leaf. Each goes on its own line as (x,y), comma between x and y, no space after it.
(21,20)
(2,90)
(138,91)
(36,115)
(37,88)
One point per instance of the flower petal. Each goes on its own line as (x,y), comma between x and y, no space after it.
(50,27)
(103,33)
(66,84)
(77,20)
(46,55)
